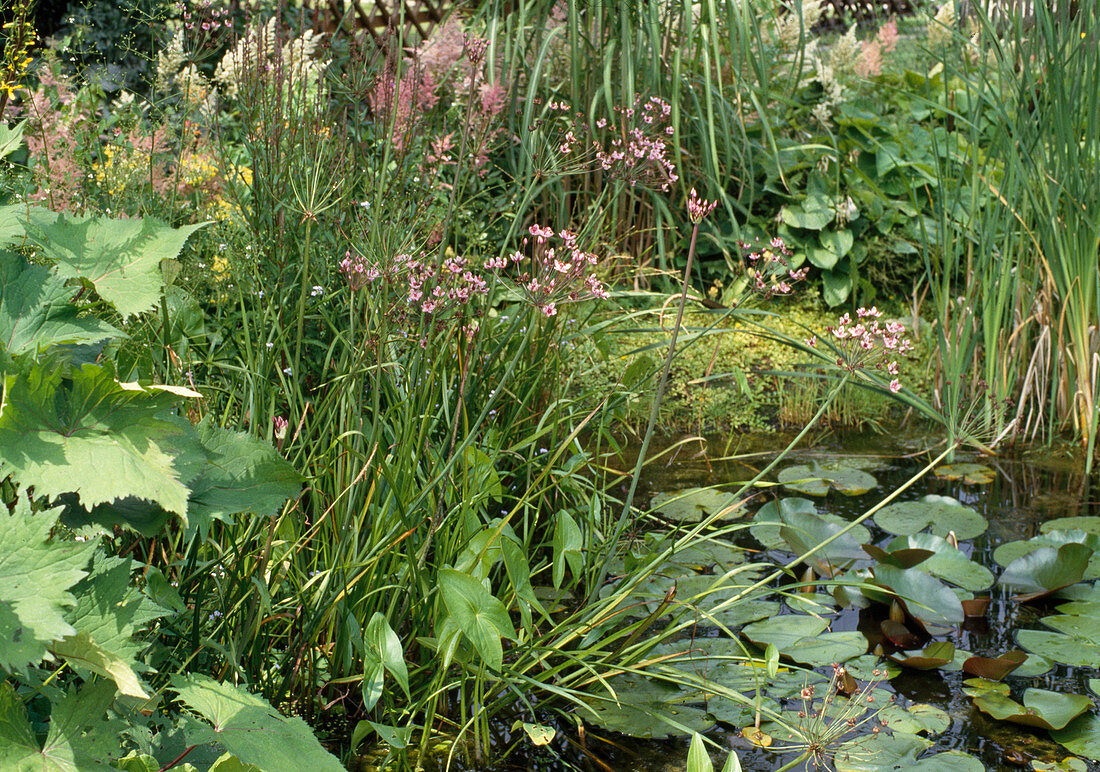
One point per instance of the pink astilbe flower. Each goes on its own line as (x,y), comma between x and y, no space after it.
(888,36)
(493,97)
(869,63)
(403,101)
(868,342)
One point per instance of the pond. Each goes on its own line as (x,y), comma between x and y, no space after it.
(1041,602)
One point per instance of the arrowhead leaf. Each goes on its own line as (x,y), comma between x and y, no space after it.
(482,618)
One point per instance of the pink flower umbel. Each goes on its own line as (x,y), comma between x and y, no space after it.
(699,208)
(553,270)
(868,342)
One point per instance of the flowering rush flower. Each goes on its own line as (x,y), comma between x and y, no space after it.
(769,267)
(556,271)
(699,208)
(868,342)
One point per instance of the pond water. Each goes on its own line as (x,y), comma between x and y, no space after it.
(1025,491)
(1019,495)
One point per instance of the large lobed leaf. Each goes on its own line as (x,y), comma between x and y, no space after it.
(120,258)
(36,312)
(90,436)
(36,585)
(249,728)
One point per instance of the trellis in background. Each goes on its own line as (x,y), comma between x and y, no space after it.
(415,18)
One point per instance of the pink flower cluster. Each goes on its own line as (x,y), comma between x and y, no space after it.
(869,63)
(554,273)
(869,341)
(770,269)
(699,208)
(403,100)
(204,16)
(357,271)
(638,151)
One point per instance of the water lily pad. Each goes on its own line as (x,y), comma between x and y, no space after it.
(995,668)
(1067,649)
(976,687)
(1068,764)
(916,719)
(1046,570)
(771,518)
(1042,709)
(803,639)
(948,761)
(818,478)
(940,514)
(902,557)
(924,597)
(1089,524)
(711,555)
(947,562)
(1081,736)
(878,752)
(1014,550)
(695,504)
(935,655)
(644,707)
(871,667)
(968,474)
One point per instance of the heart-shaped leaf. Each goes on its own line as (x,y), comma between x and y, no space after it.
(818,478)
(995,668)
(934,655)
(695,504)
(924,597)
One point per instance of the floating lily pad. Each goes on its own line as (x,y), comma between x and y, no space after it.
(877,752)
(968,474)
(902,557)
(644,707)
(940,514)
(1090,524)
(948,761)
(818,478)
(975,687)
(1069,650)
(1081,736)
(1042,709)
(1068,764)
(771,518)
(995,668)
(925,598)
(871,667)
(714,555)
(694,592)
(947,562)
(695,504)
(1014,550)
(933,656)
(916,719)
(803,639)
(1046,570)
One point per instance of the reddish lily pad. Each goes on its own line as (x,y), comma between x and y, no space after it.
(995,668)
(935,655)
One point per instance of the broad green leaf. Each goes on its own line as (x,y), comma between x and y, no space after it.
(1067,649)
(11,137)
(36,312)
(834,246)
(1008,552)
(1046,570)
(803,639)
(940,514)
(81,737)
(37,576)
(1088,524)
(230,763)
(947,561)
(538,734)
(1081,736)
(482,618)
(696,504)
(924,597)
(969,474)
(836,285)
(120,258)
(770,519)
(241,474)
(89,436)
(916,719)
(249,728)
(1042,708)
(804,531)
(108,614)
(818,478)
